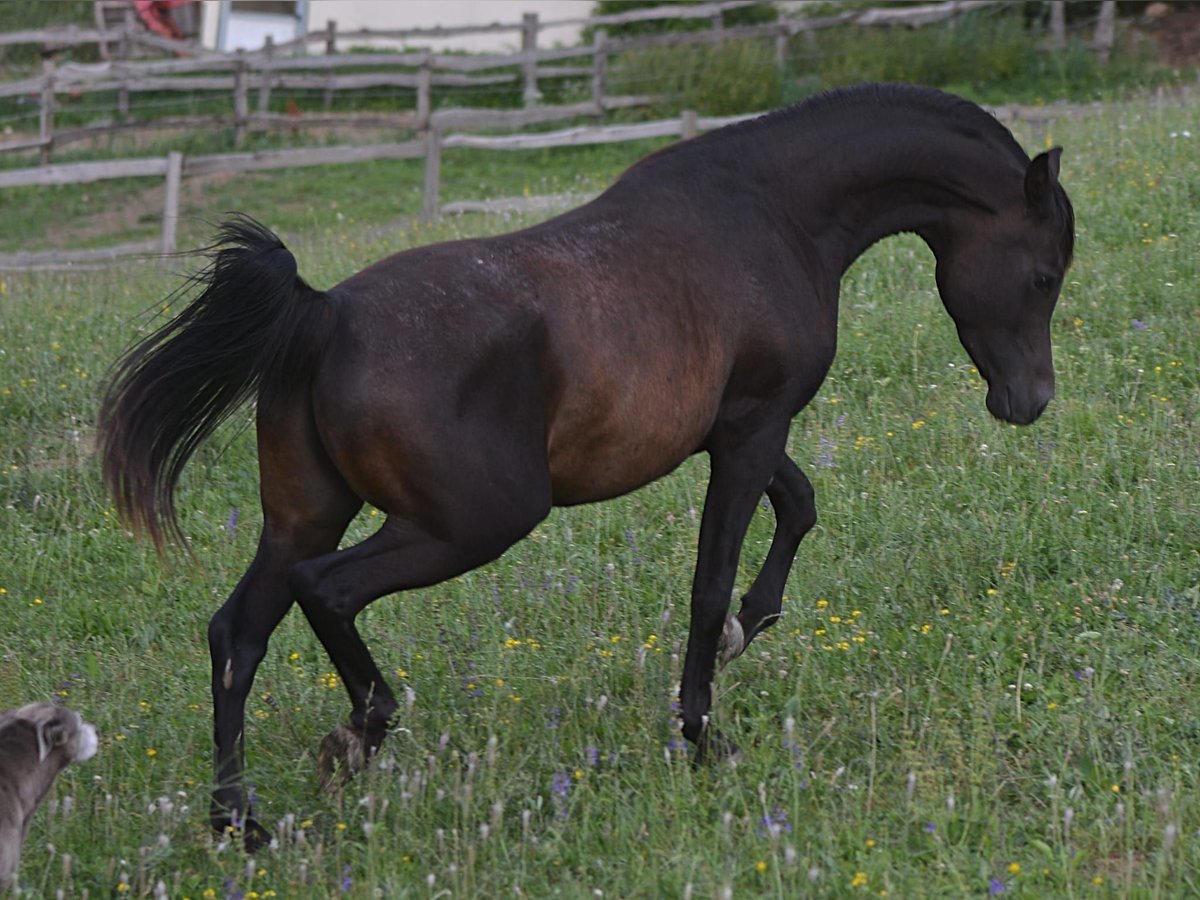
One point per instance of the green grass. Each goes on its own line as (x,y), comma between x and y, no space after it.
(987,668)
(386,194)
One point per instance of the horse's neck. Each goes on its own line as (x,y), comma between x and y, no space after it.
(848,191)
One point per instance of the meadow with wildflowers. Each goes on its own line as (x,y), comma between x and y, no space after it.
(985,681)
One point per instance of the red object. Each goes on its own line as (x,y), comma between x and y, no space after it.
(155,15)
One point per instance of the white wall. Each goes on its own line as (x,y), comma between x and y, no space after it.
(392,14)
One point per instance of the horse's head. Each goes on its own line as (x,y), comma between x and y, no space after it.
(999,277)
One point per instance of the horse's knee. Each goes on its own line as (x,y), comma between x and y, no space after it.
(801,514)
(808,513)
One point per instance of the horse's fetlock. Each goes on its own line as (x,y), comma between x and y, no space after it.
(733,641)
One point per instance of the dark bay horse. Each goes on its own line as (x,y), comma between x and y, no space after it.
(465,388)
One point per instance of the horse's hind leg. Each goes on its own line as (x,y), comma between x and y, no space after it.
(473,528)
(791,496)
(306,508)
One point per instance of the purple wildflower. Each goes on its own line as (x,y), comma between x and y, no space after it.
(560,786)
(825,457)
(637,559)
(996,886)
(930,828)
(774,823)
(1137,325)
(796,750)
(560,790)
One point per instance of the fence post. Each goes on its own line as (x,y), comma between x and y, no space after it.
(688,125)
(241,106)
(128,24)
(424,92)
(264,86)
(430,207)
(123,100)
(171,202)
(46,112)
(1105,30)
(781,46)
(599,69)
(102,27)
(1058,25)
(330,49)
(529,36)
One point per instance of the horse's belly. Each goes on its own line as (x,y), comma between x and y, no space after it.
(601,459)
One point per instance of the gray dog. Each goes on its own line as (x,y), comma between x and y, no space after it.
(36,743)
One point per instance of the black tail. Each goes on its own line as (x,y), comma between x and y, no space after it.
(256,331)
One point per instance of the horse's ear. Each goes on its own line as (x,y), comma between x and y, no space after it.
(1041,178)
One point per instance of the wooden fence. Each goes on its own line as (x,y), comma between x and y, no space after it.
(271,69)
(431,145)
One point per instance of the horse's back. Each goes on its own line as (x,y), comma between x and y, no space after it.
(602,341)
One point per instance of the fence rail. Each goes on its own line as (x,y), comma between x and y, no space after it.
(262,72)
(259,73)
(175,167)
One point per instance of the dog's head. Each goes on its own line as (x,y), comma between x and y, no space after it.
(59,734)
(36,743)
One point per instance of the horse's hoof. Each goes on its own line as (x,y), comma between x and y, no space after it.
(252,835)
(715,748)
(732,642)
(341,757)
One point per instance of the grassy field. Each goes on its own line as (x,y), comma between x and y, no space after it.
(985,680)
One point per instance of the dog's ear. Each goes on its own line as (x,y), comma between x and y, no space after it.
(50,734)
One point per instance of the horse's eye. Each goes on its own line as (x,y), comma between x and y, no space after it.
(1044,282)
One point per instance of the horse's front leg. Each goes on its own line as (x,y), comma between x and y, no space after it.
(791,496)
(740,472)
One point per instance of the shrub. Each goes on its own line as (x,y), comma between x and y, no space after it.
(722,79)
(993,55)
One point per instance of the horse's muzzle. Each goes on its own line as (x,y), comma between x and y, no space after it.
(1018,406)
